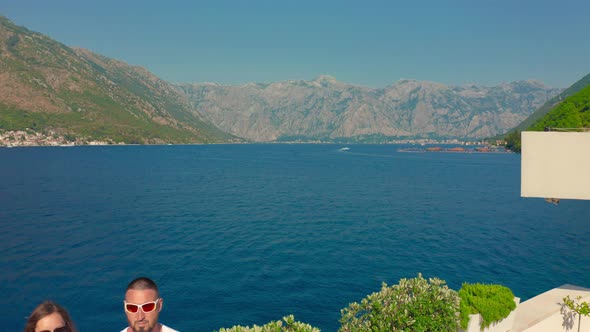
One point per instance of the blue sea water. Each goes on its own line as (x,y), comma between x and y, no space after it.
(246,234)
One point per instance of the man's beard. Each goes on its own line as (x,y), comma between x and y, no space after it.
(147,328)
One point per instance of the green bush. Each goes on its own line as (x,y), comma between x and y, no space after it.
(412,305)
(577,306)
(290,325)
(492,302)
(513,141)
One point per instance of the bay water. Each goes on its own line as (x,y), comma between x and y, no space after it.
(246,234)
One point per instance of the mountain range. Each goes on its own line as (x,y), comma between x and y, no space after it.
(48,87)
(329,110)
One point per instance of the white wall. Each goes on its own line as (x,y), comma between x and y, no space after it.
(555,165)
(557,323)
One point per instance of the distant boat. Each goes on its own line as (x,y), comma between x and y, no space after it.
(344,149)
(456,149)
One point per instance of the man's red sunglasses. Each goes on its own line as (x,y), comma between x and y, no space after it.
(146,307)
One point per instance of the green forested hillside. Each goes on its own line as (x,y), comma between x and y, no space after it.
(552,103)
(571,113)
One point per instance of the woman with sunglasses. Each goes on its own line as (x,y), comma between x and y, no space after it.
(49,317)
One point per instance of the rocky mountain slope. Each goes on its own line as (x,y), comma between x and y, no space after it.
(46,86)
(326,109)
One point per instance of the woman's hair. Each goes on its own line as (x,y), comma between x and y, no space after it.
(45,309)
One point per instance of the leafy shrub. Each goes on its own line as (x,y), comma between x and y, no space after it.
(412,305)
(12,41)
(577,306)
(492,302)
(513,142)
(290,325)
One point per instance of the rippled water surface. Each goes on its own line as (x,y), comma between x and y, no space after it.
(244,234)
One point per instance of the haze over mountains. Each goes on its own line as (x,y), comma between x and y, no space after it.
(47,86)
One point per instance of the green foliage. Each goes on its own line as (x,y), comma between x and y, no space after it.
(289,325)
(412,305)
(15,119)
(493,302)
(513,142)
(573,112)
(118,126)
(12,41)
(580,308)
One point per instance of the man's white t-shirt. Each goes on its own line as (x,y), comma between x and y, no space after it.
(164,329)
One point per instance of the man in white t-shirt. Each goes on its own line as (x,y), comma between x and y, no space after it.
(142,306)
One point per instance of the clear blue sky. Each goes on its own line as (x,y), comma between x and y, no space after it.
(364,42)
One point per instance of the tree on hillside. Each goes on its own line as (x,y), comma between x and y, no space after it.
(513,141)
